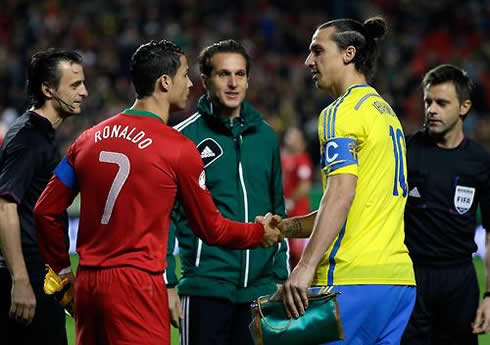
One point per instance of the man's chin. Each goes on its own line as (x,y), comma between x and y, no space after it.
(319,85)
(435,133)
(67,114)
(232,104)
(434,129)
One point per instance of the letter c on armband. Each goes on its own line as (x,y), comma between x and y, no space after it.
(331,145)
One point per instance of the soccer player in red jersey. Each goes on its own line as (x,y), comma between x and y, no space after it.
(297,171)
(129,170)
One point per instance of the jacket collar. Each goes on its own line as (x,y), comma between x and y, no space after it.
(249,116)
(42,123)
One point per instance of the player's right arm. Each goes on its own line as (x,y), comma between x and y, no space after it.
(49,215)
(339,162)
(298,227)
(205,220)
(334,207)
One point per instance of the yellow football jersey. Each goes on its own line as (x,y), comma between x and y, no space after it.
(360,135)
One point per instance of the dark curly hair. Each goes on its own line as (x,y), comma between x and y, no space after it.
(152,60)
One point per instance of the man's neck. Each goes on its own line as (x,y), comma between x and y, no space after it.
(226,112)
(450,140)
(153,105)
(231,113)
(354,78)
(50,114)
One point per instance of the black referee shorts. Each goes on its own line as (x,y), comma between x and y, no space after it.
(446,304)
(214,321)
(48,325)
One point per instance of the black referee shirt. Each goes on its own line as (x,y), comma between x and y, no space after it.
(445,188)
(28,158)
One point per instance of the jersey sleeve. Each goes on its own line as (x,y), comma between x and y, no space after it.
(205,220)
(19,166)
(341,138)
(49,214)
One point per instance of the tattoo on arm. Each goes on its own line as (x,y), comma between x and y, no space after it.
(294,228)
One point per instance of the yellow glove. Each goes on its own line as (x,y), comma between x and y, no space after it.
(60,289)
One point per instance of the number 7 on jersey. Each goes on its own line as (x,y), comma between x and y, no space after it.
(124,166)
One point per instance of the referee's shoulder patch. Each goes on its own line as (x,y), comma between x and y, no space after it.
(210,151)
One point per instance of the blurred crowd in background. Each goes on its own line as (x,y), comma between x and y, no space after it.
(421,35)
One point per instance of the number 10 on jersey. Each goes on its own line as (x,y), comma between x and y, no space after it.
(398,146)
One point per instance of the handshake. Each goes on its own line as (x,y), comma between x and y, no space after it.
(273,227)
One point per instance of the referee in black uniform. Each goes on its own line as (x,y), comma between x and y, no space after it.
(28,156)
(448,177)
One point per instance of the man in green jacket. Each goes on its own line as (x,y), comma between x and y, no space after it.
(241,158)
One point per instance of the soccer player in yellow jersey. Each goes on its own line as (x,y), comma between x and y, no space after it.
(357,235)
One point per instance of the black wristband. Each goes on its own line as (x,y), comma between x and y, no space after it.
(486,294)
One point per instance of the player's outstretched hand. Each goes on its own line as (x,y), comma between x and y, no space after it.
(272,234)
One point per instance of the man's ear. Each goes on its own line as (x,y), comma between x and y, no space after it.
(349,54)
(46,90)
(465,108)
(204,81)
(165,82)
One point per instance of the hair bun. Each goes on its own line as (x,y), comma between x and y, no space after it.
(375,27)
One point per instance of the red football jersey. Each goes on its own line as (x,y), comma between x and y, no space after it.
(129,170)
(296,167)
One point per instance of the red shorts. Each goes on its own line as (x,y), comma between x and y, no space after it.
(121,306)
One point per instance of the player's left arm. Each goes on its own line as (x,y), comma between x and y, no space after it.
(482,318)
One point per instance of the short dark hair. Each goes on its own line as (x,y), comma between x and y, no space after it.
(227,46)
(43,68)
(152,60)
(362,36)
(450,73)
